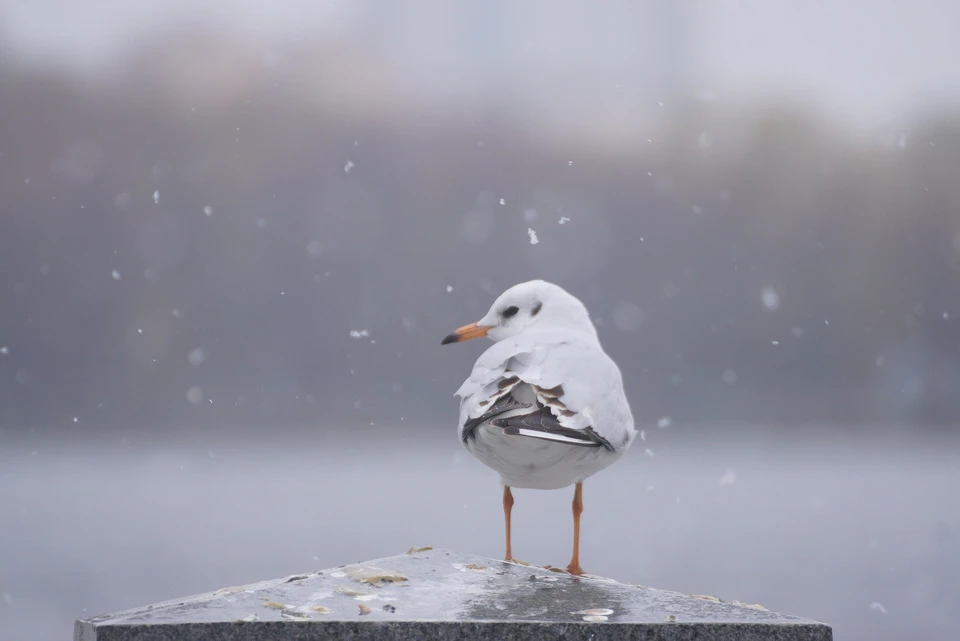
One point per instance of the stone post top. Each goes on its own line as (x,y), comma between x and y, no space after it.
(443,595)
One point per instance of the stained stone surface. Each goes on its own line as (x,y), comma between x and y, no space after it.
(442,595)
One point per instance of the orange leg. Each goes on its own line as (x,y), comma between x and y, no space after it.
(507,506)
(574,567)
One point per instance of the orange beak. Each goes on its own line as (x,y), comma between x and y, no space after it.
(466,332)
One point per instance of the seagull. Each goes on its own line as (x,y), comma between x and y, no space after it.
(544,405)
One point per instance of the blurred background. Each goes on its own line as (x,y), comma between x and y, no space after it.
(232,235)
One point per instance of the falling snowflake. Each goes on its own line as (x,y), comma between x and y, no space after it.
(4,350)
(348,167)
(503,201)
(156,197)
(664,422)
(563,220)
(728,478)
(362,333)
(197,356)
(195,395)
(876,605)
(533,236)
(115,274)
(649,452)
(449,288)
(770,298)
(208,210)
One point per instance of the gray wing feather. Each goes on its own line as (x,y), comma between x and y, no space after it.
(544,422)
(506,403)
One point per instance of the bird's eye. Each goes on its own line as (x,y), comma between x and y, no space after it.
(510,311)
(536,309)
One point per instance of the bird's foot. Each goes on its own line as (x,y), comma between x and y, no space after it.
(575,569)
(551,568)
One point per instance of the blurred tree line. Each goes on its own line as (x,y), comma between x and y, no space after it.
(191,237)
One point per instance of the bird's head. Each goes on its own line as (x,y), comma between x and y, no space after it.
(535,305)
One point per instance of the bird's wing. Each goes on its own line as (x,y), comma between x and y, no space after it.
(578,391)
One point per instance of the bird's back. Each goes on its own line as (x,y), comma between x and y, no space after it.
(586,382)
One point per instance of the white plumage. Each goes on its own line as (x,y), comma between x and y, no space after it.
(592,396)
(544,406)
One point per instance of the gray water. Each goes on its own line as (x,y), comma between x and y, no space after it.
(815,524)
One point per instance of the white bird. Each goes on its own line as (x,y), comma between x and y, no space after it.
(544,406)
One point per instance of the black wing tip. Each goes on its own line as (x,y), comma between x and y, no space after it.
(575,441)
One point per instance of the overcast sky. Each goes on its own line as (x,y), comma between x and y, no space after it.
(859,61)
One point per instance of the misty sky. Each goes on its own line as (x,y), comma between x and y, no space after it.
(859,62)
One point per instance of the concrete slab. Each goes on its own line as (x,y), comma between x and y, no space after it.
(443,595)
